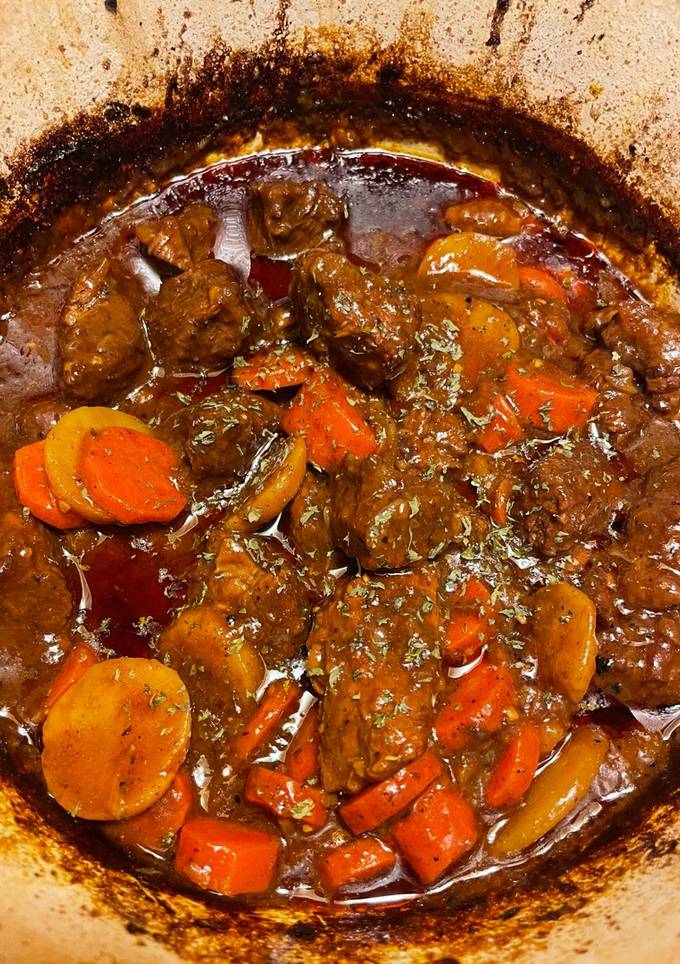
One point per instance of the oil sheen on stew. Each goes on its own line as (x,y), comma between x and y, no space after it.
(338,534)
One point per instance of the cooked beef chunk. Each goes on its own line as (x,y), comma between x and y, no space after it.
(287,217)
(432,438)
(252,580)
(655,442)
(571,494)
(202,317)
(493,216)
(38,417)
(364,321)
(388,517)
(647,339)
(101,343)
(376,646)
(225,431)
(308,525)
(36,607)
(432,372)
(639,659)
(180,240)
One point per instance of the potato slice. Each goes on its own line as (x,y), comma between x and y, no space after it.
(202,636)
(276,483)
(555,792)
(564,630)
(486,333)
(472,260)
(114,741)
(62,453)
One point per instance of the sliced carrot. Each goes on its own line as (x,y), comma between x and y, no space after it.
(75,664)
(302,756)
(542,283)
(155,828)
(494,420)
(130,475)
(286,798)
(441,828)
(512,775)
(34,491)
(549,398)
(500,502)
(278,701)
(268,371)
(355,861)
(468,258)
(470,626)
(227,857)
(332,426)
(376,804)
(477,703)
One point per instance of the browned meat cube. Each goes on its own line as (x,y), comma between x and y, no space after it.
(364,321)
(389,517)
(286,217)
(374,654)
(180,240)
(225,431)
(202,317)
(432,437)
(101,343)
(571,494)
(308,521)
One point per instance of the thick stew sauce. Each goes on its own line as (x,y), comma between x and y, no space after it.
(339,526)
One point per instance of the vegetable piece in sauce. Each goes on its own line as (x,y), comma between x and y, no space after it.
(286,798)
(357,861)
(376,804)
(555,792)
(486,333)
(155,828)
(302,756)
(512,775)
(474,261)
(542,284)
(549,398)
(279,477)
(441,828)
(331,425)
(115,739)
(564,631)
(34,491)
(493,420)
(477,702)
(130,475)
(469,627)
(62,455)
(269,371)
(77,661)
(277,702)
(500,218)
(227,857)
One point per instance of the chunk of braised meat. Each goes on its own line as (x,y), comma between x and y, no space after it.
(499,218)
(364,321)
(388,517)
(620,407)
(307,519)
(37,418)
(253,579)
(34,615)
(647,339)
(654,443)
(638,659)
(101,343)
(434,439)
(374,654)
(432,373)
(287,217)
(570,495)
(546,330)
(224,432)
(180,240)
(202,317)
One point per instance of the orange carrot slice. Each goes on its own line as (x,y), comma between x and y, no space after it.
(302,756)
(500,502)
(285,797)
(495,424)
(477,703)
(354,862)
(469,627)
(440,829)
(542,284)
(34,491)
(268,371)
(227,857)
(512,775)
(278,701)
(77,661)
(130,475)
(376,804)
(155,828)
(549,398)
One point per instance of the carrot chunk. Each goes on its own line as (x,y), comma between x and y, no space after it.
(302,757)
(278,701)
(469,627)
(376,804)
(495,423)
(268,371)
(440,829)
(476,703)
(355,861)
(34,491)
(331,425)
(155,828)
(500,502)
(285,797)
(512,775)
(74,666)
(549,398)
(130,476)
(227,857)
(542,284)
